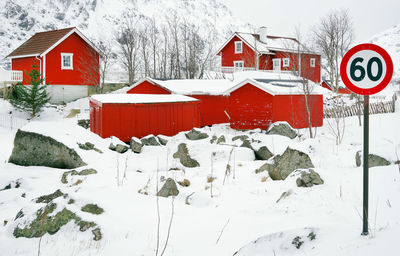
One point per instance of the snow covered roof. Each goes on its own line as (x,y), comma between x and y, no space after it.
(141,98)
(273,43)
(279,87)
(43,42)
(191,86)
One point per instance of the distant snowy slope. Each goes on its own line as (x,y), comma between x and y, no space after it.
(390,41)
(20,19)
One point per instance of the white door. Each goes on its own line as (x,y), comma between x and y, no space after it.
(276,64)
(238,65)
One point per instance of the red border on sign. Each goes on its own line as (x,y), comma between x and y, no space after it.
(381,85)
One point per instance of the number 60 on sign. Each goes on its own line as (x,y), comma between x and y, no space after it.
(366,69)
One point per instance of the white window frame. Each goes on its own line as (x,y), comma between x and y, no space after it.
(312,62)
(71,55)
(286,62)
(238,67)
(236,46)
(274,66)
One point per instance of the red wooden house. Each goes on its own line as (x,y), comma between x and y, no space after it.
(247,51)
(342,88)
(214,105)
(68,61)
(258,103)
(138,115)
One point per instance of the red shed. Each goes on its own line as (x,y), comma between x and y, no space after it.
(214,105)
(342,88)
(258,103)
(128,115)
(68,61)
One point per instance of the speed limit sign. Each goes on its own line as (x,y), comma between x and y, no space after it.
(366,69)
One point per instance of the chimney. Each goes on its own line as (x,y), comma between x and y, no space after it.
(263,34)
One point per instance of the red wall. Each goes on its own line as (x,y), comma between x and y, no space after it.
(312,73)
(229,55)
(250,108)
(212,109)
(148,88)
(292,109)
(85,61)
(127,120)
(340,90)
(25,65)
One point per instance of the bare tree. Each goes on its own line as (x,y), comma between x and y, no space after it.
(128,41)
(89,66)
(154,43)
(333,37)
(107,59)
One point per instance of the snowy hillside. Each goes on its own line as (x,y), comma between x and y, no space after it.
(21,19)
(390,41)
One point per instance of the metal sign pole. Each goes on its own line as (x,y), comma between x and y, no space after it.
(365,165)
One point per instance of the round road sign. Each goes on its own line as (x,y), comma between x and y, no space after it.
(366,69)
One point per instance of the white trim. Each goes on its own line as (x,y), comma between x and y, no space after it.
(230,38)
(312,62)
(44,69)
(23,56)
(237,43)
(75,30)
(71,55)
(248,81)
(285,64)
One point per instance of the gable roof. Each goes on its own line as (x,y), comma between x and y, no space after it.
(274,43)
(190,86)
(43,42)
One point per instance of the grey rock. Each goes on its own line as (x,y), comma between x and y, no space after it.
(168,189)
(263,153)
(121,148)
(240,137)
(213,139)
(285,164)
(96,234)
(373,160)
(309,178)
(136,146)
(33,149)
(247,144)
(283,129)
(196,135)
(221,139)
(184,157)
(150,141)
(162,141)
(112,147)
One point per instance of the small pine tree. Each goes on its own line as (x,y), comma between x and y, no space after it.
(31,98)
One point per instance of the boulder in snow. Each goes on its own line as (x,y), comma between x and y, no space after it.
(286,163)
(33,149)
(196,135)
(263,153)
(136,145)
(150,140)
(168,189)
(309,178)
(282,128)
(373,160)
(184,157)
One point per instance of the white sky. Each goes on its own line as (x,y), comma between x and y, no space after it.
(369,17)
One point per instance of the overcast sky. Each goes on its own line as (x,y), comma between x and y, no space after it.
(369,16)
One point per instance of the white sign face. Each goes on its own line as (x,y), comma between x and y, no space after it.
(366,69)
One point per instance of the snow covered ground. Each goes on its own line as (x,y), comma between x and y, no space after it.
(242,215)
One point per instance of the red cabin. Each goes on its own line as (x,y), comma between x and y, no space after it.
(342,89)
(247,51)
(137,115)
(214,105)
(67,60)
(258,103)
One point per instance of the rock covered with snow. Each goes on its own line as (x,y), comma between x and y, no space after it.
(309,178)
(263,153)
(168,189)
(136,145)
(183,155)
(282,128)
(149,140)
(196,135)
(286,163)
(373,160)
(33,149)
